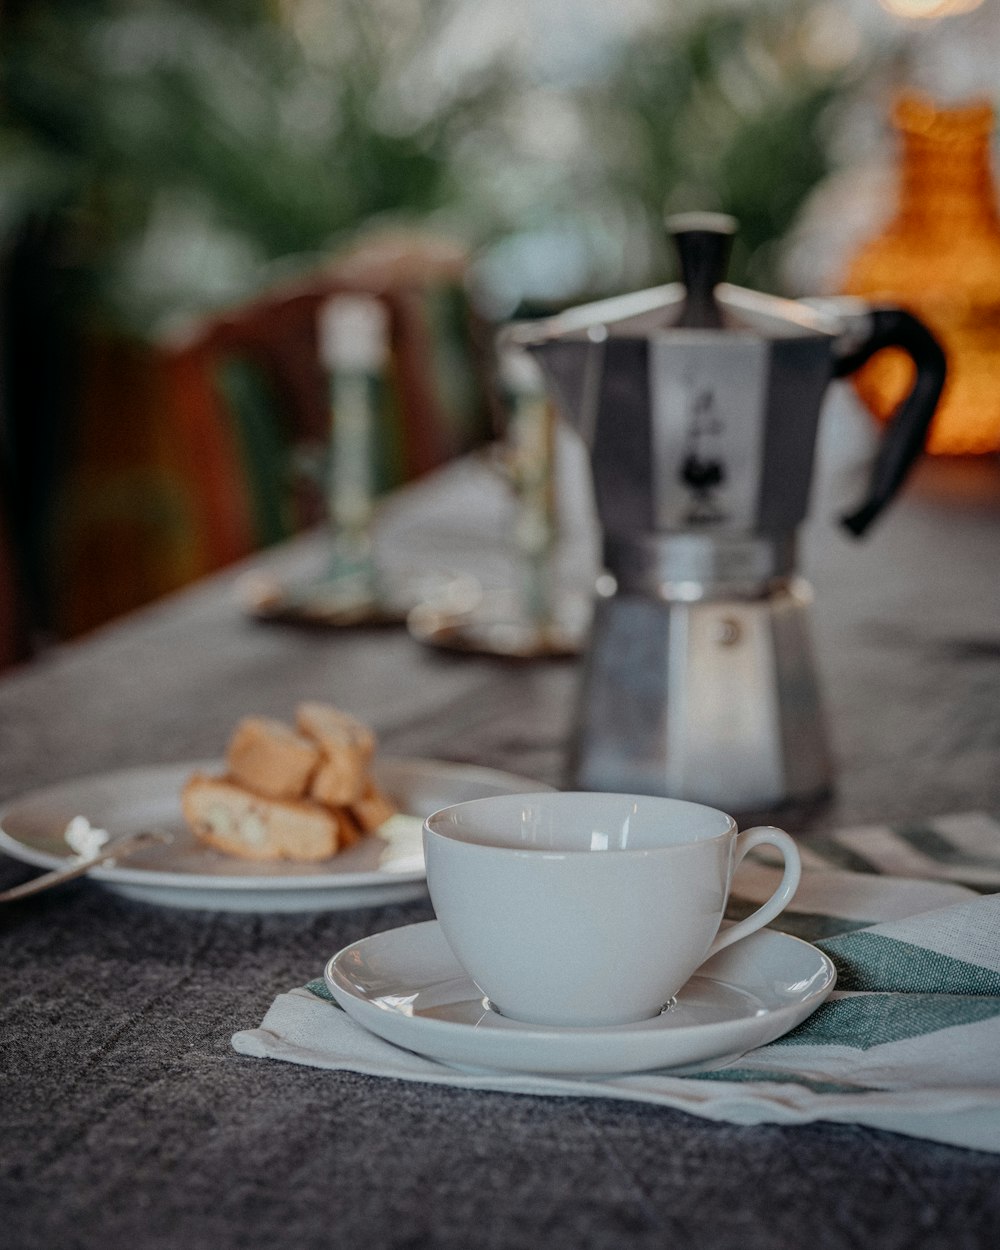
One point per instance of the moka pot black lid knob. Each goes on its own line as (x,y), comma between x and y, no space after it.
(703,242)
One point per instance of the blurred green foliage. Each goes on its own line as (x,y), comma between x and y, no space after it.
(183,146)
(162,158)
(180,147)
(730,108)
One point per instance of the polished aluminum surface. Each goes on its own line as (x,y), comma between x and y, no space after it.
(714,701)
(699,566)
(699,680)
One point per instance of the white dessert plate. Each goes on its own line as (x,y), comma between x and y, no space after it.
(386,867)
(406,986)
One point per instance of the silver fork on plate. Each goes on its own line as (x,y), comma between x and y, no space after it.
(117,849)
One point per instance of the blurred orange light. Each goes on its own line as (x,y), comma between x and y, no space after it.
(928,9)
(939,257)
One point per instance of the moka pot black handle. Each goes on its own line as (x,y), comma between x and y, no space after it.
(906,432)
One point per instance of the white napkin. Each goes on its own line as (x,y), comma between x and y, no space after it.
(909,1041)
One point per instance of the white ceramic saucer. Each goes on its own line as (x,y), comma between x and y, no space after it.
(406,986)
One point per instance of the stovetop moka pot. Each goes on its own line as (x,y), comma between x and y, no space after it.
(699,403)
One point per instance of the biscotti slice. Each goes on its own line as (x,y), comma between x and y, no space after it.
(346,747)
(334,729)
(340,779)
(270,758)
(351,832)
(373,808)
(224,815)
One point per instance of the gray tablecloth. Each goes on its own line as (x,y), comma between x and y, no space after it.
(126,1119)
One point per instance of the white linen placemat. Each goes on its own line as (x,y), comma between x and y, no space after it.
(909,1041)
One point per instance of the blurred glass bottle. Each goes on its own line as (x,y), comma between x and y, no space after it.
(939,257)
(354,349)
(530,440)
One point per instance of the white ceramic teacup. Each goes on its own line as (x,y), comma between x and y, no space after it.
(589,909)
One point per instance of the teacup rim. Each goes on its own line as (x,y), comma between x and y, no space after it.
(731,828)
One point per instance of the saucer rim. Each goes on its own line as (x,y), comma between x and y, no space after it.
(431,1037)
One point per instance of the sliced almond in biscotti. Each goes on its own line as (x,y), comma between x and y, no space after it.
(373,808)
(270,758)
(232,819)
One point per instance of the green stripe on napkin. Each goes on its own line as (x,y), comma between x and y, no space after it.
(933,843)
(839,856)
(870,961)
(319,988)
(779,1076)
(869,1020)
(810,926)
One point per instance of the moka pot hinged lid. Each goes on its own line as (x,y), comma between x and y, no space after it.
(699,399)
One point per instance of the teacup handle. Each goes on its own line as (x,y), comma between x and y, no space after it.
(782,896)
